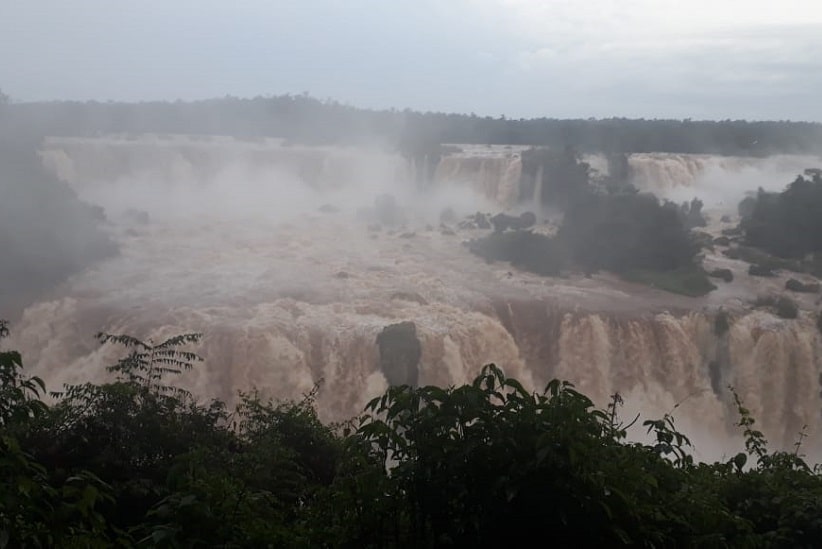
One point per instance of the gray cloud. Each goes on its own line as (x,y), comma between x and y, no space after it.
(522,58)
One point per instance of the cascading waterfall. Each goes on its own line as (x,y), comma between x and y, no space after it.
(284,346)
(287,297)
(496,178)
(717,180)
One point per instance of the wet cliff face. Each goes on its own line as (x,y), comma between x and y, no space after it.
(288,295)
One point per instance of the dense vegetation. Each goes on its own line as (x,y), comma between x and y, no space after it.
(136,462)
(786,224)
(300,118)
(606,225)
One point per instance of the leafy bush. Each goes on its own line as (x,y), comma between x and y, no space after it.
(722,323)
(526,250)
(724,274)
(797,286)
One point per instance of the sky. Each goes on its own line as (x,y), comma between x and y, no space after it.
(699,59)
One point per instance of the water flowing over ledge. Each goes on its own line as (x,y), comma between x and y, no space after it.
(237,246)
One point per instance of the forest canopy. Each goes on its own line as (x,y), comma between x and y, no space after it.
(304,119)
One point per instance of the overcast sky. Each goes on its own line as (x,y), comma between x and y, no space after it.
(754,59)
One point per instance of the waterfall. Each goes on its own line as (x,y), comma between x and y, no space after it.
(658,362)
(287,297)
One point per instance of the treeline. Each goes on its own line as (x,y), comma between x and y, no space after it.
(304,119)
(138,463)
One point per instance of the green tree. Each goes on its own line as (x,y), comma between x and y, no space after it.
(36,511)
(787,224)
(490,463)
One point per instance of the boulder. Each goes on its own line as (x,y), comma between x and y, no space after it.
(400,352)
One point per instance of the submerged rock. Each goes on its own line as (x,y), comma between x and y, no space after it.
(503,221)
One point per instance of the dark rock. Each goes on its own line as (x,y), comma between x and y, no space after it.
(760,270)
(342,275)
(797,286)
(481,221)
(724,274)
(504,221)
(725,219)
(527,219)
(786,308)
(408,235)
(722,241)
(400,353)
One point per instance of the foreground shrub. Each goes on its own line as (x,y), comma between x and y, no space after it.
(139,463)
